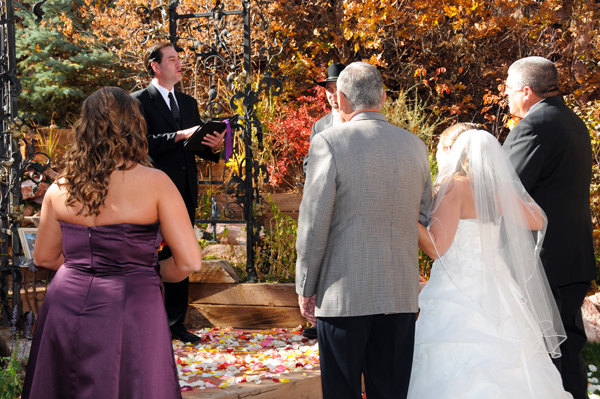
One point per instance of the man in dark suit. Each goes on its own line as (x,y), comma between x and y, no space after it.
(172,117)
(551,152)
(332,118)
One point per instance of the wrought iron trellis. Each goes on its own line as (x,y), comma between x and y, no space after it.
(13,166)
(208,36)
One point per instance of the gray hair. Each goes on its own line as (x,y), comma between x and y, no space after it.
(362,85)
(538,73)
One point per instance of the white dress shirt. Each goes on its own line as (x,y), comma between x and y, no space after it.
(165,93)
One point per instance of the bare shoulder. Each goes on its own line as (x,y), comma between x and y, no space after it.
(155,178)
(463,186)
(148,172)
(55,190)
(462,183)
(458,186)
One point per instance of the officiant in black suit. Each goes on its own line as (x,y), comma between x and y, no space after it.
(551,152)
(171,118)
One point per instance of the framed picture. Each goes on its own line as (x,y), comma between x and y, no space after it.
(28,236)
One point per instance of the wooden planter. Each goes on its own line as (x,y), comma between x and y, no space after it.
(217,299)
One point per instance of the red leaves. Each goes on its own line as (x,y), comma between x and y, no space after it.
(290,131)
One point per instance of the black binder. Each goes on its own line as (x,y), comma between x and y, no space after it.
(194,142)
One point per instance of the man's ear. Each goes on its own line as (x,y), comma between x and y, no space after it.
(154,66)
(383,98)
(529,97)
(342,101)
(527,93)
(344,108)
(340,97)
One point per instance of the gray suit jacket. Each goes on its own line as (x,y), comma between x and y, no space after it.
(366,185)
(322,124)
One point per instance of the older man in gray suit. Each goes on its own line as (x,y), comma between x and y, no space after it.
(367,182)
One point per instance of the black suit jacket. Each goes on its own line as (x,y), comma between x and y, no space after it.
(552,154)
(165,153)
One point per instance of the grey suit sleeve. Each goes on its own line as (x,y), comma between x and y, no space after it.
(316,212)
(425,208)
(524,150)
(312,134)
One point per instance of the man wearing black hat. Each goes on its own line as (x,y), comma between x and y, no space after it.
(332,118)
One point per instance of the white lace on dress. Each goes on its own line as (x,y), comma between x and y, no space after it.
(463,351)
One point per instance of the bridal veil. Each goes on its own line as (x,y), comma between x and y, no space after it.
(501,200)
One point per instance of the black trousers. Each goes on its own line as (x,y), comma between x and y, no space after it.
(571,365)
(378,346)
(176,294)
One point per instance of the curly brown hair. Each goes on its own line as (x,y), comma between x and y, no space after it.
(110,135)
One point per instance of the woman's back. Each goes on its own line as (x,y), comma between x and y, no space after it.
(132,197)
(138,196)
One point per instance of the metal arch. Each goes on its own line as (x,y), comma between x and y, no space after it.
(12,169)
(208,35)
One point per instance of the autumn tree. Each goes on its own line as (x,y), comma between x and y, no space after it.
(56,71)
(457,50)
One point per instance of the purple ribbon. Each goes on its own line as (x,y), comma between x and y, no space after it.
(228,143)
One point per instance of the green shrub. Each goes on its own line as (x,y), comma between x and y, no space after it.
(412,113)
(11,376)
(275,259)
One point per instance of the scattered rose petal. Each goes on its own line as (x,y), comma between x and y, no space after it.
(226,353)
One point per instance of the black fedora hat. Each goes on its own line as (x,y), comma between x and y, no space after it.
(333,72)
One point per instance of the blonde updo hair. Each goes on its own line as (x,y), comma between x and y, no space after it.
(447,139)
(449,136)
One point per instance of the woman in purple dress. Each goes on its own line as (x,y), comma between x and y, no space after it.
(102,330)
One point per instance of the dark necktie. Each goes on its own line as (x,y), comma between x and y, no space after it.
(174,109)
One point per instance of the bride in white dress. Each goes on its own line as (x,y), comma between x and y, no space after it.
(487,321)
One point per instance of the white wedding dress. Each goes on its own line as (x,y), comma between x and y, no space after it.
(465,352)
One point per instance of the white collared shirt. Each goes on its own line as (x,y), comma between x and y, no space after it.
(336,117)
(165,93)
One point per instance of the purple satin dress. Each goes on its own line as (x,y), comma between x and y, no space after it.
(102,330)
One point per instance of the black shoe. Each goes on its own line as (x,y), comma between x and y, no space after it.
(178,331)
(310,333)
